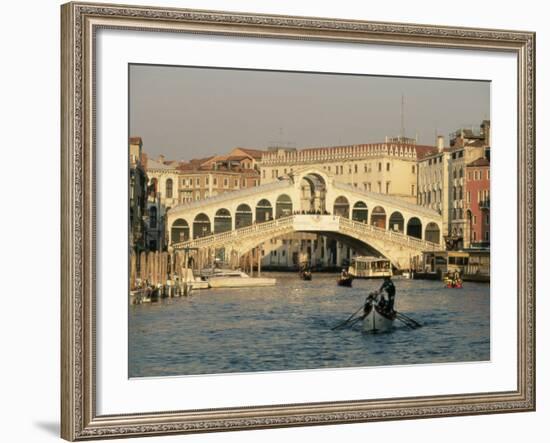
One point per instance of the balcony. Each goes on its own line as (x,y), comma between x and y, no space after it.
(485,204)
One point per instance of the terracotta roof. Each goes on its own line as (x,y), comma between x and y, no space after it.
(136,141)
(482,161)
(256,153)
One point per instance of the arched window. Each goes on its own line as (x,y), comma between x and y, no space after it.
(360,212)
(180,231)
(169,188)
(283,206)
(243,216)
(201,226)
(222,221)
(414,227)
(341,207)
(378,217)
(397,222)
(264,211)
(432,233)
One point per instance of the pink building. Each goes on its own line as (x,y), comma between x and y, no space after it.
(477,204)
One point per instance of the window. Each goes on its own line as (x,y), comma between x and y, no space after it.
(379,167)
(413,169)
(486,235)
(475,236)
(366,170)
(198,182)
(355,168)
(380,184)
(225,183)
(207,180)
(468,197)
(412,188)
(169,186)
(387,186)
(215,181)
(487,219)
(236,185)
(263,173)
(341,169)
(387,166)
(474,220)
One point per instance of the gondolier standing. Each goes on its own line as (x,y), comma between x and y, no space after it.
(389,288)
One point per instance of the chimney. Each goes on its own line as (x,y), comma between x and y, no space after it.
(440,143)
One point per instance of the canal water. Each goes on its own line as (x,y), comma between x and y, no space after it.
(288,327)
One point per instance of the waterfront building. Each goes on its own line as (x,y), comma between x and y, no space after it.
(387,168)
(467,146)
(443,179)
(172,182)
(477,204)
(137,197)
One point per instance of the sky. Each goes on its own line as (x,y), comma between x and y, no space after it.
(189,112)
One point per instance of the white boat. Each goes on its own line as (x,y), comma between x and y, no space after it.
(224,278)
(376,321)
(369,267)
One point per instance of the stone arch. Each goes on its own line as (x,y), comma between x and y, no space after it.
(360,212)
(179,231)
(222,221)
(201,226)
(397,222)
(414,227)
(243,216)
(313,189)
(264,211)
(283,206)
(432,232)
(341,207)
(378,217)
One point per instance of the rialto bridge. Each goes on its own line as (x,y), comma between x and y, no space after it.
(308,201)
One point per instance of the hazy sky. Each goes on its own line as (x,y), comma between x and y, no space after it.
(187,113)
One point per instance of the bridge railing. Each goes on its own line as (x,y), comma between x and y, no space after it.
(223,237)
(346,225)
(385,234)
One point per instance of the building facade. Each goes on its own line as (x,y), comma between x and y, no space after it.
(477,204)
(443,181)
(137,197)
(387,168)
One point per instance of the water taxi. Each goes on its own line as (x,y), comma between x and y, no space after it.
(226,278)
(370,267)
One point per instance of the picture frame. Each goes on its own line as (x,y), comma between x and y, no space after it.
(80,24)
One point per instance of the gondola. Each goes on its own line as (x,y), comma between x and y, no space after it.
(376,320)
(344,281)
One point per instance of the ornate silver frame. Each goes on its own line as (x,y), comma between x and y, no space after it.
(80,21)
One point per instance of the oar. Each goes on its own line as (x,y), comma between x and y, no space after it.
(404,322)
(346,320)
(414,322)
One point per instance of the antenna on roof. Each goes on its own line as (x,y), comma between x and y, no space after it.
(402,115)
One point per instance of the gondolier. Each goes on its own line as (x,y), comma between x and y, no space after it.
(389,288)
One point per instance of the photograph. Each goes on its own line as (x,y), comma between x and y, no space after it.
(289,220)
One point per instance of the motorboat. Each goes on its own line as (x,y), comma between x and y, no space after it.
(226,278)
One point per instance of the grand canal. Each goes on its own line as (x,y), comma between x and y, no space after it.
(288,327)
